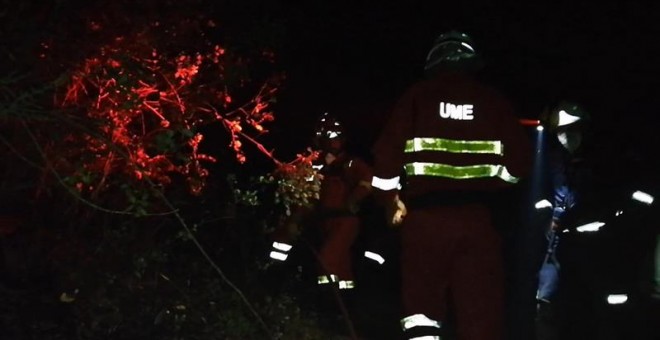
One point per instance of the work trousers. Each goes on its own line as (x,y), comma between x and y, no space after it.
(338,236)
(452,253)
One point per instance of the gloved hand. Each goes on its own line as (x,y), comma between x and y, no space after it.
(329,158)
(554,225)
(395,212)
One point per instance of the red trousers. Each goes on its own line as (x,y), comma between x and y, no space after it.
(339,234)
(452,253)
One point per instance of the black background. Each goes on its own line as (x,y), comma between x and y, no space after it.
(355,59)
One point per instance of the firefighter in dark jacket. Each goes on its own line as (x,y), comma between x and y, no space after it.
(346,181)
(458,143)
(566,175)
(567,178)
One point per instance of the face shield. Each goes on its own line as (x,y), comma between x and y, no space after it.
(570,138)
(334,143)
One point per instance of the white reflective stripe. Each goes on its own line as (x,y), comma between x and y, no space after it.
(346,284)
(418,320)
(590,227)
(504,174)
(374,256)
(317,167)
(466,45)
(427,337)
(543,204)
(324,279)
(281,246)
(643,197)
(617,299)
(276,255)
(385,183)
(565,118)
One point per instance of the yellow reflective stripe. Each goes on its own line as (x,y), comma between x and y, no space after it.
(460,172)
(343,284)
(455,146)
(324,279)
(346,284)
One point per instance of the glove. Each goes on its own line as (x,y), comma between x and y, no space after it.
(396,212)
(554,226)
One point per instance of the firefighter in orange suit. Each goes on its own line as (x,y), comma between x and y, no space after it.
(457,144)
(346,181)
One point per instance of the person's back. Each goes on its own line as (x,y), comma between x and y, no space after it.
(471,122)
(455,140)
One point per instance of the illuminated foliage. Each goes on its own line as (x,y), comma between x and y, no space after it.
(147,107)
(145,115)
(297,183)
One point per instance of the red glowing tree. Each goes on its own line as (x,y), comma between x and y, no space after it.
(145,107)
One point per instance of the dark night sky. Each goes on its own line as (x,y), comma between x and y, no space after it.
(355,60)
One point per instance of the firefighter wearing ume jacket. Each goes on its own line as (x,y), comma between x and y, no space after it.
(346,181)
(457,142)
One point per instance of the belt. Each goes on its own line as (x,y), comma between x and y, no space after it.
(435,199)
(325,213)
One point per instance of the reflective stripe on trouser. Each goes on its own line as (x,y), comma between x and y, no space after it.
(280,251)
(335,261)
(342,284)
(419,326)
(453,250)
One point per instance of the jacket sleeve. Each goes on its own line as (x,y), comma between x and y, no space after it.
(389,149)
(563,195)
(361,175)
(518,150)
